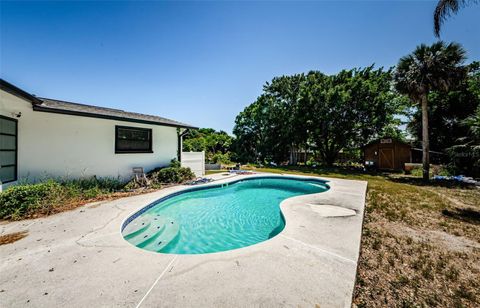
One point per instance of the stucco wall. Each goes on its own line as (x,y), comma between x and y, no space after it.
(56,145)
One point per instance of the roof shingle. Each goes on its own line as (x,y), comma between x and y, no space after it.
(58,106)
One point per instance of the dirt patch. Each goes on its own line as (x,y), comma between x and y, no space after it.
(417,251)
(12,237)
(435,237)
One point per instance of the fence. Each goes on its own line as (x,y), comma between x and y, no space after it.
(213,166)
(195,161)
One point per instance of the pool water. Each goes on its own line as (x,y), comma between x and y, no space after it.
(218,218)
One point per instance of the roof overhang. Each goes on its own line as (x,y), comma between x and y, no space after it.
(10,88)
(107,117)
(68,108)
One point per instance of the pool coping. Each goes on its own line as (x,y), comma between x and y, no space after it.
(313,260)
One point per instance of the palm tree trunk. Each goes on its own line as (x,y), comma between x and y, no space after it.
(425,139)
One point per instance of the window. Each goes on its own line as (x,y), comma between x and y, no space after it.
(8,149)
(133,140)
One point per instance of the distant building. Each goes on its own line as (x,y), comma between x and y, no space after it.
(387,154)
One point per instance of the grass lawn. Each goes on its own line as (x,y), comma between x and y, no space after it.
(420,244)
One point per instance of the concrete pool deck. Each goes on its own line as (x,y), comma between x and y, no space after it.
(79,259)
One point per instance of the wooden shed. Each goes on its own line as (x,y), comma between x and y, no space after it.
(387,154)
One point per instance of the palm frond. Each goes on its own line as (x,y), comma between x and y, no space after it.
(446,8)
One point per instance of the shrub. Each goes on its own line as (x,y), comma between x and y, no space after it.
(464,159)
(23,200)
(101,184)
(186,174)
(92,193)
(220,158)
(434,170)
(18,201)
(174,163)
(173,175)
(167,175)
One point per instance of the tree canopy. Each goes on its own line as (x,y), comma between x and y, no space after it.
(324,113)
(216,144)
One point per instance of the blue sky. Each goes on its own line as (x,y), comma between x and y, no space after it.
(203,62)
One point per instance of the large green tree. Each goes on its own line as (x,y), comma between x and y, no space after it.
(259,131)
(271,128)
(429,68)
(348,109)
(316,111)
(287,114)
(216,144)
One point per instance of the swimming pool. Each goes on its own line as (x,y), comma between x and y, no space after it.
(216,218)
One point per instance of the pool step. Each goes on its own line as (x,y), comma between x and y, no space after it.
(136,227)
(151,231)
(169,233)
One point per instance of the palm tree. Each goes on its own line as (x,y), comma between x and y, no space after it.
(444,9)
(429,68)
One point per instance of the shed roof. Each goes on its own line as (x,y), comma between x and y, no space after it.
(393,139)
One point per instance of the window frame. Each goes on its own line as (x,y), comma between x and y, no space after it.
(119,151)
(16,149)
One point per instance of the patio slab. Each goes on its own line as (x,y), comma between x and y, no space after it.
(79,259)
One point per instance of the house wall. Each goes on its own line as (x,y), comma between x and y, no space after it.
(57,145)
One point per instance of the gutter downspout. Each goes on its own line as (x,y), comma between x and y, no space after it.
(180,142)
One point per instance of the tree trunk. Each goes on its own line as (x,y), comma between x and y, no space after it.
(425,139)
(293,155)
(329,160)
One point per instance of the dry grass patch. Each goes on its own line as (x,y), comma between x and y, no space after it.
(420,243)
(12,237)
(401,271)
(420,246)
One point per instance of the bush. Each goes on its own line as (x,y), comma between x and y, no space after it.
(186,174)
(434,170)
(102,184)
(174,163)
(173,175)
(18,201)
(220,158)
(464,160)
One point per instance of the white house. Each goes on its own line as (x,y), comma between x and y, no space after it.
(43,138)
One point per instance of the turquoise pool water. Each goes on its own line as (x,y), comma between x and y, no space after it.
(206,220)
